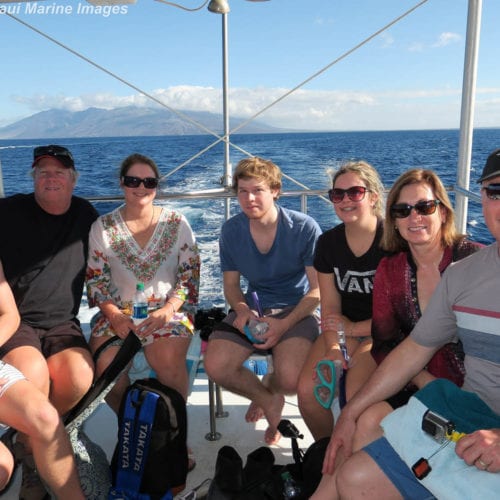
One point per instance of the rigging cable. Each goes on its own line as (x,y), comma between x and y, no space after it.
(246,122)
(328,66)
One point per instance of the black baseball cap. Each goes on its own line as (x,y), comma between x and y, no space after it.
(492,167)
(60,153)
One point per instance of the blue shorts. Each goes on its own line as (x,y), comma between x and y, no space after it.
(384,455)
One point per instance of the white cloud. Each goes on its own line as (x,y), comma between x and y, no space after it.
(387,39)
(446,39)
(443,40)
(304,109)
(324,21)
(416,47)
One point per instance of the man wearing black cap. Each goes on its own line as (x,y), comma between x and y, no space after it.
(43,248)
(465,306)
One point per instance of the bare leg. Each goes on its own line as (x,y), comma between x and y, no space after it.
(6,466)
(167,358)
(71,374)
(28,410)
(318,420)
(254,412)
(361,367)
(368,424)
(223,363)
(360,477)
(367,430)
(32,364)
(289,357)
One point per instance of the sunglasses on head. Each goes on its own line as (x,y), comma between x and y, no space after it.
(58,152)
(403,210)
(492,191)
(134,182)
(354,193)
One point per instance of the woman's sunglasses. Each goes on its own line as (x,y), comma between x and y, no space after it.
(327,373)
(492,191)
(134,182)
(403,210)
(354,193)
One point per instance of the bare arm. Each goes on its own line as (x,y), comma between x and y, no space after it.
(309,301)
(306,306)
(236,299)
(331,315)
(403,363)
(9,315)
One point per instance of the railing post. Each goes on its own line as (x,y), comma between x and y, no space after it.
(467,111)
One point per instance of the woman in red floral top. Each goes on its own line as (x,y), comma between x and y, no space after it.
(420,230)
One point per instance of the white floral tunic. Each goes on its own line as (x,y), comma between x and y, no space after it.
(169,266)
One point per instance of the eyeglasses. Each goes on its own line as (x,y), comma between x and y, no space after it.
(403,210)
(492,191)
(354,193)
(133,182)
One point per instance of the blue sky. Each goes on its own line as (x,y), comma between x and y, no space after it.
(408,77)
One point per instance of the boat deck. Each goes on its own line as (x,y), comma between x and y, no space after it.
(245,437)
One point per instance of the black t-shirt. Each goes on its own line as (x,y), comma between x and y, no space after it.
(44,257)
(353,276)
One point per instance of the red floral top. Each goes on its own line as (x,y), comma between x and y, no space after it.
(396,309)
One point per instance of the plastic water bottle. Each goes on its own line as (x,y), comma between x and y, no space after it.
(257,328)
(342,342)
(140,304)
(290,488)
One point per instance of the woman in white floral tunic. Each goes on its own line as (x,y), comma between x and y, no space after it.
(141,242)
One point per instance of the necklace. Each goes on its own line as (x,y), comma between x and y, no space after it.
(137,230)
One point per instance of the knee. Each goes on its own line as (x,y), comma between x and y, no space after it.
(368,425)
(79,379)
(305,391)
(367,421)
(213,367)
(288,381)
(350,478)
(42,421)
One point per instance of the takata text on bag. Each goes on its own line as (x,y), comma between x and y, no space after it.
(150,459)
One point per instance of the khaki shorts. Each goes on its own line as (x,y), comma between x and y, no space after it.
(306,328)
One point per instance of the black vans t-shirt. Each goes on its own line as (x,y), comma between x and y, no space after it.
(353,276)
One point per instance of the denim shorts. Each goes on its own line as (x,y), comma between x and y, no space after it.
(384,455)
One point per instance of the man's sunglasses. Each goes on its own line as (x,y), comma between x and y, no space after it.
(354,193)
(492,191)
(403,210)
(134,182)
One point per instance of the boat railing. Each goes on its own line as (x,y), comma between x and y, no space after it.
(227,193)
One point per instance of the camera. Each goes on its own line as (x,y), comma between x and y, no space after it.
(437,426)
(206,319)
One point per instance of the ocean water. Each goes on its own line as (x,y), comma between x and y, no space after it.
(304,158)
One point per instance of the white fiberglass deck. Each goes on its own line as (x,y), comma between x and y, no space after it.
(235,431)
